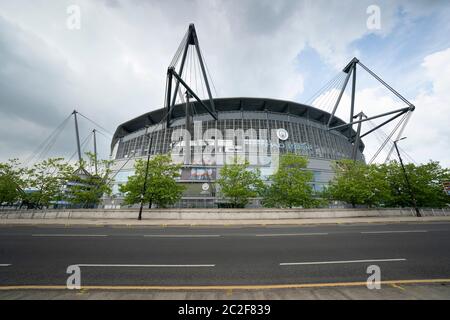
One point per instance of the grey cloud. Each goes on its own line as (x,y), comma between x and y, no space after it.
(113,69)
(28,70)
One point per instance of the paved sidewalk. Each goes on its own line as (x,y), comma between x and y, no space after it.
(175,222)
(435,291)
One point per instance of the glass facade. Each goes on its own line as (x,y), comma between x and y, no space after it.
(306,137)
(254,133)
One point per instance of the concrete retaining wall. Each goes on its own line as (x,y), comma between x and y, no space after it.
(216,214)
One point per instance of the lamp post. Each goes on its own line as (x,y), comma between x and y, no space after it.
(413,198)
(146,176)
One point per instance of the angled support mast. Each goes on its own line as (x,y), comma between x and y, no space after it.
(358,136)
(350,69)
(77,135)
(400,111)
(95,151)
(188,89)
(190,39)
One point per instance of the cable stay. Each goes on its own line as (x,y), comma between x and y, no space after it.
(83,145)
(387,138)
(398,137)
(96,124)
(47,144)
(328,93)
(384,139)
(103,135)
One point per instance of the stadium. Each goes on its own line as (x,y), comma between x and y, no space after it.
(306,129)
(211,131)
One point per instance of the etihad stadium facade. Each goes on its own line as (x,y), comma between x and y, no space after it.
(272,126)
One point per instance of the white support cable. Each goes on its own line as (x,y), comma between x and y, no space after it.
(202,85)
(129,158)
(103,134)
(387,140)
(378,136)
(191,68)
(180,95)
(41,146)
(207,72)
(83,148)
(398,135)
(333,94)
(49,146)
(95,123)
(180,48)
(84,141)
(317,99)
(327,96)
(316,96)
(52,174)
(383,144)
(195,77)
(407,155)
(380,133)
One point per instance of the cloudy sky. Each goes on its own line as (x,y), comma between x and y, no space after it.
(113,67)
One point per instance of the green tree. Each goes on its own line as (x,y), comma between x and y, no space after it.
(47,181)
(12,182)
(358,183)
(426,183)
(238,183)
(161,189)
(90,182)
(290,185)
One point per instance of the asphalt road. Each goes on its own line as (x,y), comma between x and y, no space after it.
(220,255)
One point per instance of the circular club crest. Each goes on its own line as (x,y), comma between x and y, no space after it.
(282,134)
(205,187)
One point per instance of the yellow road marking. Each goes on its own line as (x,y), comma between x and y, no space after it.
(397,286)
(225,287)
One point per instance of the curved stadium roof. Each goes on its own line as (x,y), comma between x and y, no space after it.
(231,104)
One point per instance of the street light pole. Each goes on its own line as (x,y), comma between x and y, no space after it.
(144,189)
(413,198)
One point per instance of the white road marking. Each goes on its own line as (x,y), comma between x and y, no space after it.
(399,231)
(68,235)
(5,265)
(148,265)
(339,262)
(289,234)
(182,235)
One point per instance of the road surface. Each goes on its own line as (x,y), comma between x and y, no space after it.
(223,256)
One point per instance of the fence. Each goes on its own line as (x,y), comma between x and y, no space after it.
(217,214)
